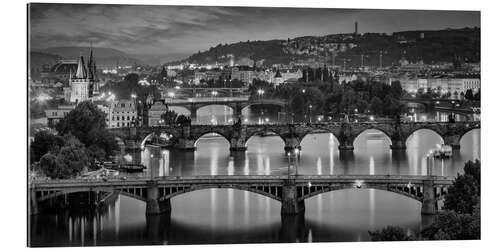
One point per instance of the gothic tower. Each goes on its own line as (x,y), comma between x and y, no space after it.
(82,83)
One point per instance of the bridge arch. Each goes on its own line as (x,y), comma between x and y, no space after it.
(414,193)
(152,135)
(386,134)
(265,103)
(467,131)
(273,192)
(180,109)
(263,132)
(436,132)
(198,137)
(318,132)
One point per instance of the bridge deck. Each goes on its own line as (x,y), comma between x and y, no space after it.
(247,179)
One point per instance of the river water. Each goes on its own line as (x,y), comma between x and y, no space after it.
(235,216)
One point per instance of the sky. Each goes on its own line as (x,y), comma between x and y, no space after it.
(161,29)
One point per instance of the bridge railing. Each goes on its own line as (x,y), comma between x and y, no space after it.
(140,180)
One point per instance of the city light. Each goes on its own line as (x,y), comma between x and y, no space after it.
(372,118)
(133,96)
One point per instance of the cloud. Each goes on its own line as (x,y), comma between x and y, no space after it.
(171,29)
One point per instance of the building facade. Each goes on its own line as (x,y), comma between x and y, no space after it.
(55,115)
(155,112)
(123,113)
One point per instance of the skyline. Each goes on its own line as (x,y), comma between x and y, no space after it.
(162,29)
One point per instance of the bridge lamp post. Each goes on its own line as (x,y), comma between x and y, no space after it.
(310,113)
(164,153)
(151,166)
(297,157)
(289,163)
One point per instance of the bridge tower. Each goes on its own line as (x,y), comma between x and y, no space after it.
(186,140)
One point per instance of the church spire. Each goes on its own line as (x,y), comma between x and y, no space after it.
(90,66)
(81,72)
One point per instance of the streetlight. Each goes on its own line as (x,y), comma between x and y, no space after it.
(310,113)
(151,166)
(164,153)
(297,157)
(260,92)
(288,154)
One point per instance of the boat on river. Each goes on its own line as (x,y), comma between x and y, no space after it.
(442,151)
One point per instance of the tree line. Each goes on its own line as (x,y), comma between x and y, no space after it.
(461,218)
(81,141)
(332,98)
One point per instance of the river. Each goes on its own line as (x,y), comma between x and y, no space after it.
(235,216)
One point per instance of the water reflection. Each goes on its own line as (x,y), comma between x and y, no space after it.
(235,216)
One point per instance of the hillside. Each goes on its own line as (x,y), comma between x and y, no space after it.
(104,56)
(428,46)
(38,59)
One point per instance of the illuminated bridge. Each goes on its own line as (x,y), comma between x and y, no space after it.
(185,137)
(290,191)
(237,104)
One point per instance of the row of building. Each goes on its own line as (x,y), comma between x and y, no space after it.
(119,114)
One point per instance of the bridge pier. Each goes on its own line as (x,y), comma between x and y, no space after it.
(293,228)
(34,210)
(453,141)
(346,145)
(185,144)
(155,206)
(192,113)
(398,145)
(292,143)
(237,144)
(429,202)
(290,205)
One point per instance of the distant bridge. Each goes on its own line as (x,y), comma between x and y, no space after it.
(290,191)
(292,134)
(237,104)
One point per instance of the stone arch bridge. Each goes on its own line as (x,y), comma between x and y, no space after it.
(237,104)
(289,191)
(186,136)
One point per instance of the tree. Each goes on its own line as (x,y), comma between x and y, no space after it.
(396,89)
(376,106)
(43,143)
(169,117)
(451,225)
(88,124)
(71,159)
(469,95)
(390,233)
(463,195)
(392,106)
(473,169)
(465,192)
(182,119)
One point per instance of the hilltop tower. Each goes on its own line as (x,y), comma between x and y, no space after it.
(83,81)
(356,28)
